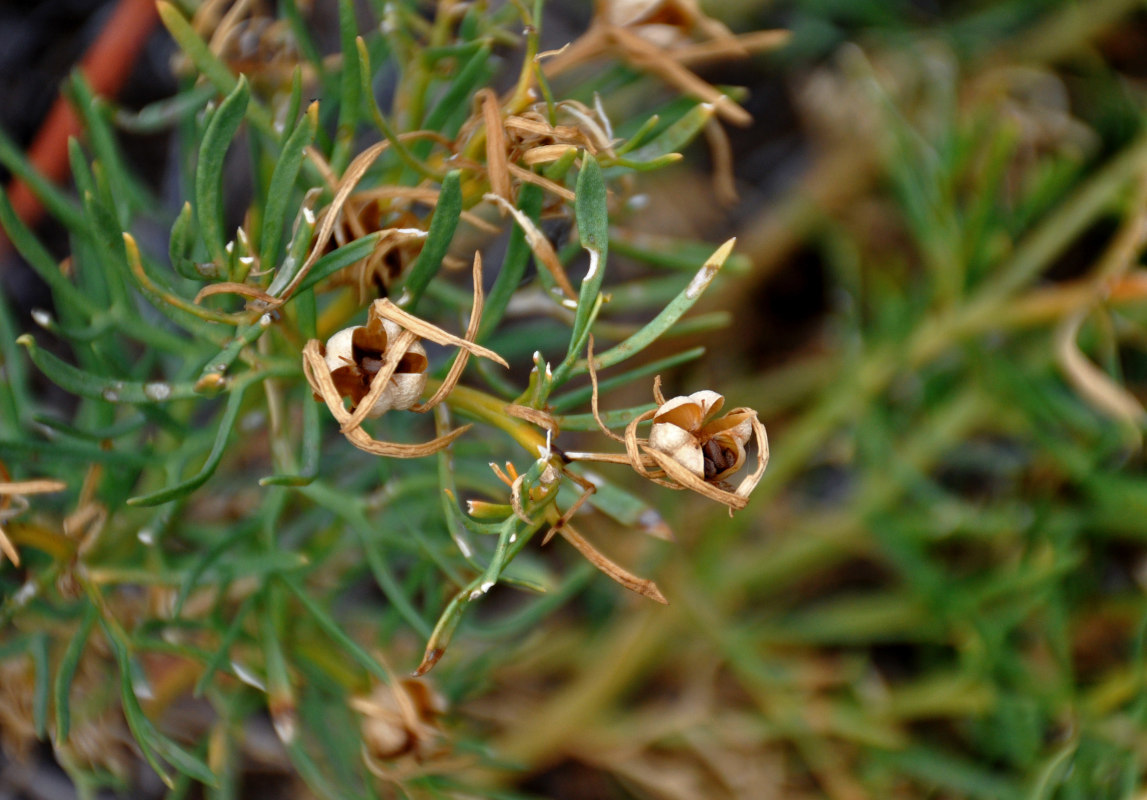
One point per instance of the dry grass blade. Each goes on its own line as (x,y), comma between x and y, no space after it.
(719,49)
(37,486)
(540,246)
(350,179)
(745,488)
(594,397)
(496,162)
(721,151)
(231,287)
(388,310)
(643,586)
(15,491)
(688,480)
(540,418)
(546,153)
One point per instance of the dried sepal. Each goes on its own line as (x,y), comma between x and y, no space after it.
(539,245)
(496,161)
(455,373)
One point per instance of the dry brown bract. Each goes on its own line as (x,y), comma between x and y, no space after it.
(382,365)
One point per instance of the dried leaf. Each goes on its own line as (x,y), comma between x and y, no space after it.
(496,162)
(540,246)
(642,586)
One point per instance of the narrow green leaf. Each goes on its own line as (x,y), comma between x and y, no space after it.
(590,207)
(442,226)
(397,145)
(580,396)
(350,88)
(226,423)
(612,419)
(283,182)
(673,138)
(152,743)
(181,243)
(297,249)
(312,438)
(229,636)
(67,671)
(462,85)
(163,114)
(15,393)
(333,630)
(57,202)
(127,191)
(113,390)
(208,63)
(217,138)
(669,315)
(41,261)
(61,448)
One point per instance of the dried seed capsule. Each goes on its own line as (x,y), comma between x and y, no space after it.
(710,450)
(355,355)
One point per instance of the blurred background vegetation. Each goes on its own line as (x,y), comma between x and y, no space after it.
(938,589)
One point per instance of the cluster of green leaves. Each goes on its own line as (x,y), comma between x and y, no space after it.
(228,499)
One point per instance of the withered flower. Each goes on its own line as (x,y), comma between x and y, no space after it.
(355,356)
(687,452)
(401,720)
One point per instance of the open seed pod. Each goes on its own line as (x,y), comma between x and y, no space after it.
(687,449)
(356,355)
(401,719)
(382,366)
(710,450)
